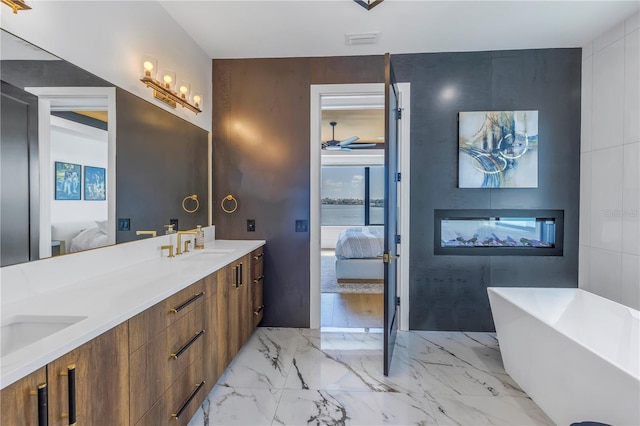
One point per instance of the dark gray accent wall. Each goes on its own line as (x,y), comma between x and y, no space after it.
(261,121)
(20,191)
(449,292)
(160,159)
(261,156)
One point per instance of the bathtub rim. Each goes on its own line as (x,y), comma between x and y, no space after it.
(634,313)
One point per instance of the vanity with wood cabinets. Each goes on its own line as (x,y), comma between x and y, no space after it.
(154,368)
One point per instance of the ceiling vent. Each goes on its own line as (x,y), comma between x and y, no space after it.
(352,39)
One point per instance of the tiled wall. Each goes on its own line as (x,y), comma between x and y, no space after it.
(610,159)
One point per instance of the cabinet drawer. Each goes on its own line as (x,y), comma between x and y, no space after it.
(20,399)
(258,302)
(257,286)
(210,285)
(146,325)
(257,255)
(184,397)
(155,366)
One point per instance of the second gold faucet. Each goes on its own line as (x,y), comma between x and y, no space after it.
(179,246)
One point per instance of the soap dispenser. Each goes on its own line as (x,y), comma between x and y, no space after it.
(199,240)
(169,230)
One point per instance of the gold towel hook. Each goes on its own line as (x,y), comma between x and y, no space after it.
(193,197)
(234,204)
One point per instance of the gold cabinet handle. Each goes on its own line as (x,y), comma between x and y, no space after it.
(258,256)
(187,303)
(257,311)
(187,345)
(178,413)
(258,279)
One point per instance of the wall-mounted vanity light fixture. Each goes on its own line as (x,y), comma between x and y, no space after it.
(16,5)
(165,88)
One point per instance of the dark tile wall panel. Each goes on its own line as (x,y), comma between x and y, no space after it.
(261,119)
(449,292)
(261,156)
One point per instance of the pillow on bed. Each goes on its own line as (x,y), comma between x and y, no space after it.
(87,239)
(102,226)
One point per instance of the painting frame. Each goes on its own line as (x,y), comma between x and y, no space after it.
(498,149)
(95,187)
(67,181)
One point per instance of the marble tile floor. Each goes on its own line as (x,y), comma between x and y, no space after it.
(286,376)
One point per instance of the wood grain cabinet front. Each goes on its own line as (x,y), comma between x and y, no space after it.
(147,324)
(154,369)
(181,401)
(156,365)
(257,285)
(25,401)
(212,367)
(90,384)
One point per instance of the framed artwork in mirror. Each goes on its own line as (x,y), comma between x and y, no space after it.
(94,184)
(498,149)
(68,180)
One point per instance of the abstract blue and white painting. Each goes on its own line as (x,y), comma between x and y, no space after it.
(498,149)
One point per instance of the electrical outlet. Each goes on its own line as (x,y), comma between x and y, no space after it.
(251,225)
(124,224)
(174,222)
(302,226)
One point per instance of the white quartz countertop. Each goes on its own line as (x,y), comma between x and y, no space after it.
(108,300)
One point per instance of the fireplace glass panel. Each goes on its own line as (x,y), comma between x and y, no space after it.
(499,232)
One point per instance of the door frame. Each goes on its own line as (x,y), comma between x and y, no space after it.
(48,99)
(404,141)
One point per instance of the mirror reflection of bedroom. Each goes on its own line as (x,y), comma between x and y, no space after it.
(352,212)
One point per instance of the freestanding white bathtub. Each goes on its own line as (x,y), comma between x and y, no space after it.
(577,355)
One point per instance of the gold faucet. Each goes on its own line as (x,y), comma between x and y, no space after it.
(152,233)
(168,247)
(180,234)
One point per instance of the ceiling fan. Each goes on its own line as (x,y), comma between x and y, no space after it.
(344,145)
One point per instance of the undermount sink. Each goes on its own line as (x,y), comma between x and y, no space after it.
(22,330)
(204,254)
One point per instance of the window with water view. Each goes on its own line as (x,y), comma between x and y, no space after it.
(352,195)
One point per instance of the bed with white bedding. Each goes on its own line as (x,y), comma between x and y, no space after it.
(357,251)
(79,236)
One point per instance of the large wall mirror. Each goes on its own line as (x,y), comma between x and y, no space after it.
(86,164)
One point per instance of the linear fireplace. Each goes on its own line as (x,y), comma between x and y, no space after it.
(494,232)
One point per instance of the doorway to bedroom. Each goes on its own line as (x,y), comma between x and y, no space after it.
(353,97)
(352,211)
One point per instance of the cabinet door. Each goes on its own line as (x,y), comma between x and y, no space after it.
(245,311)
(155,366)
(227,297)
(90,385)
(257,285)
(20,400)
(212,368)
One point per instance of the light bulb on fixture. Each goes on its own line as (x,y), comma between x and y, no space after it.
(149,66)
(197,99)
(183,89)
(169,79)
